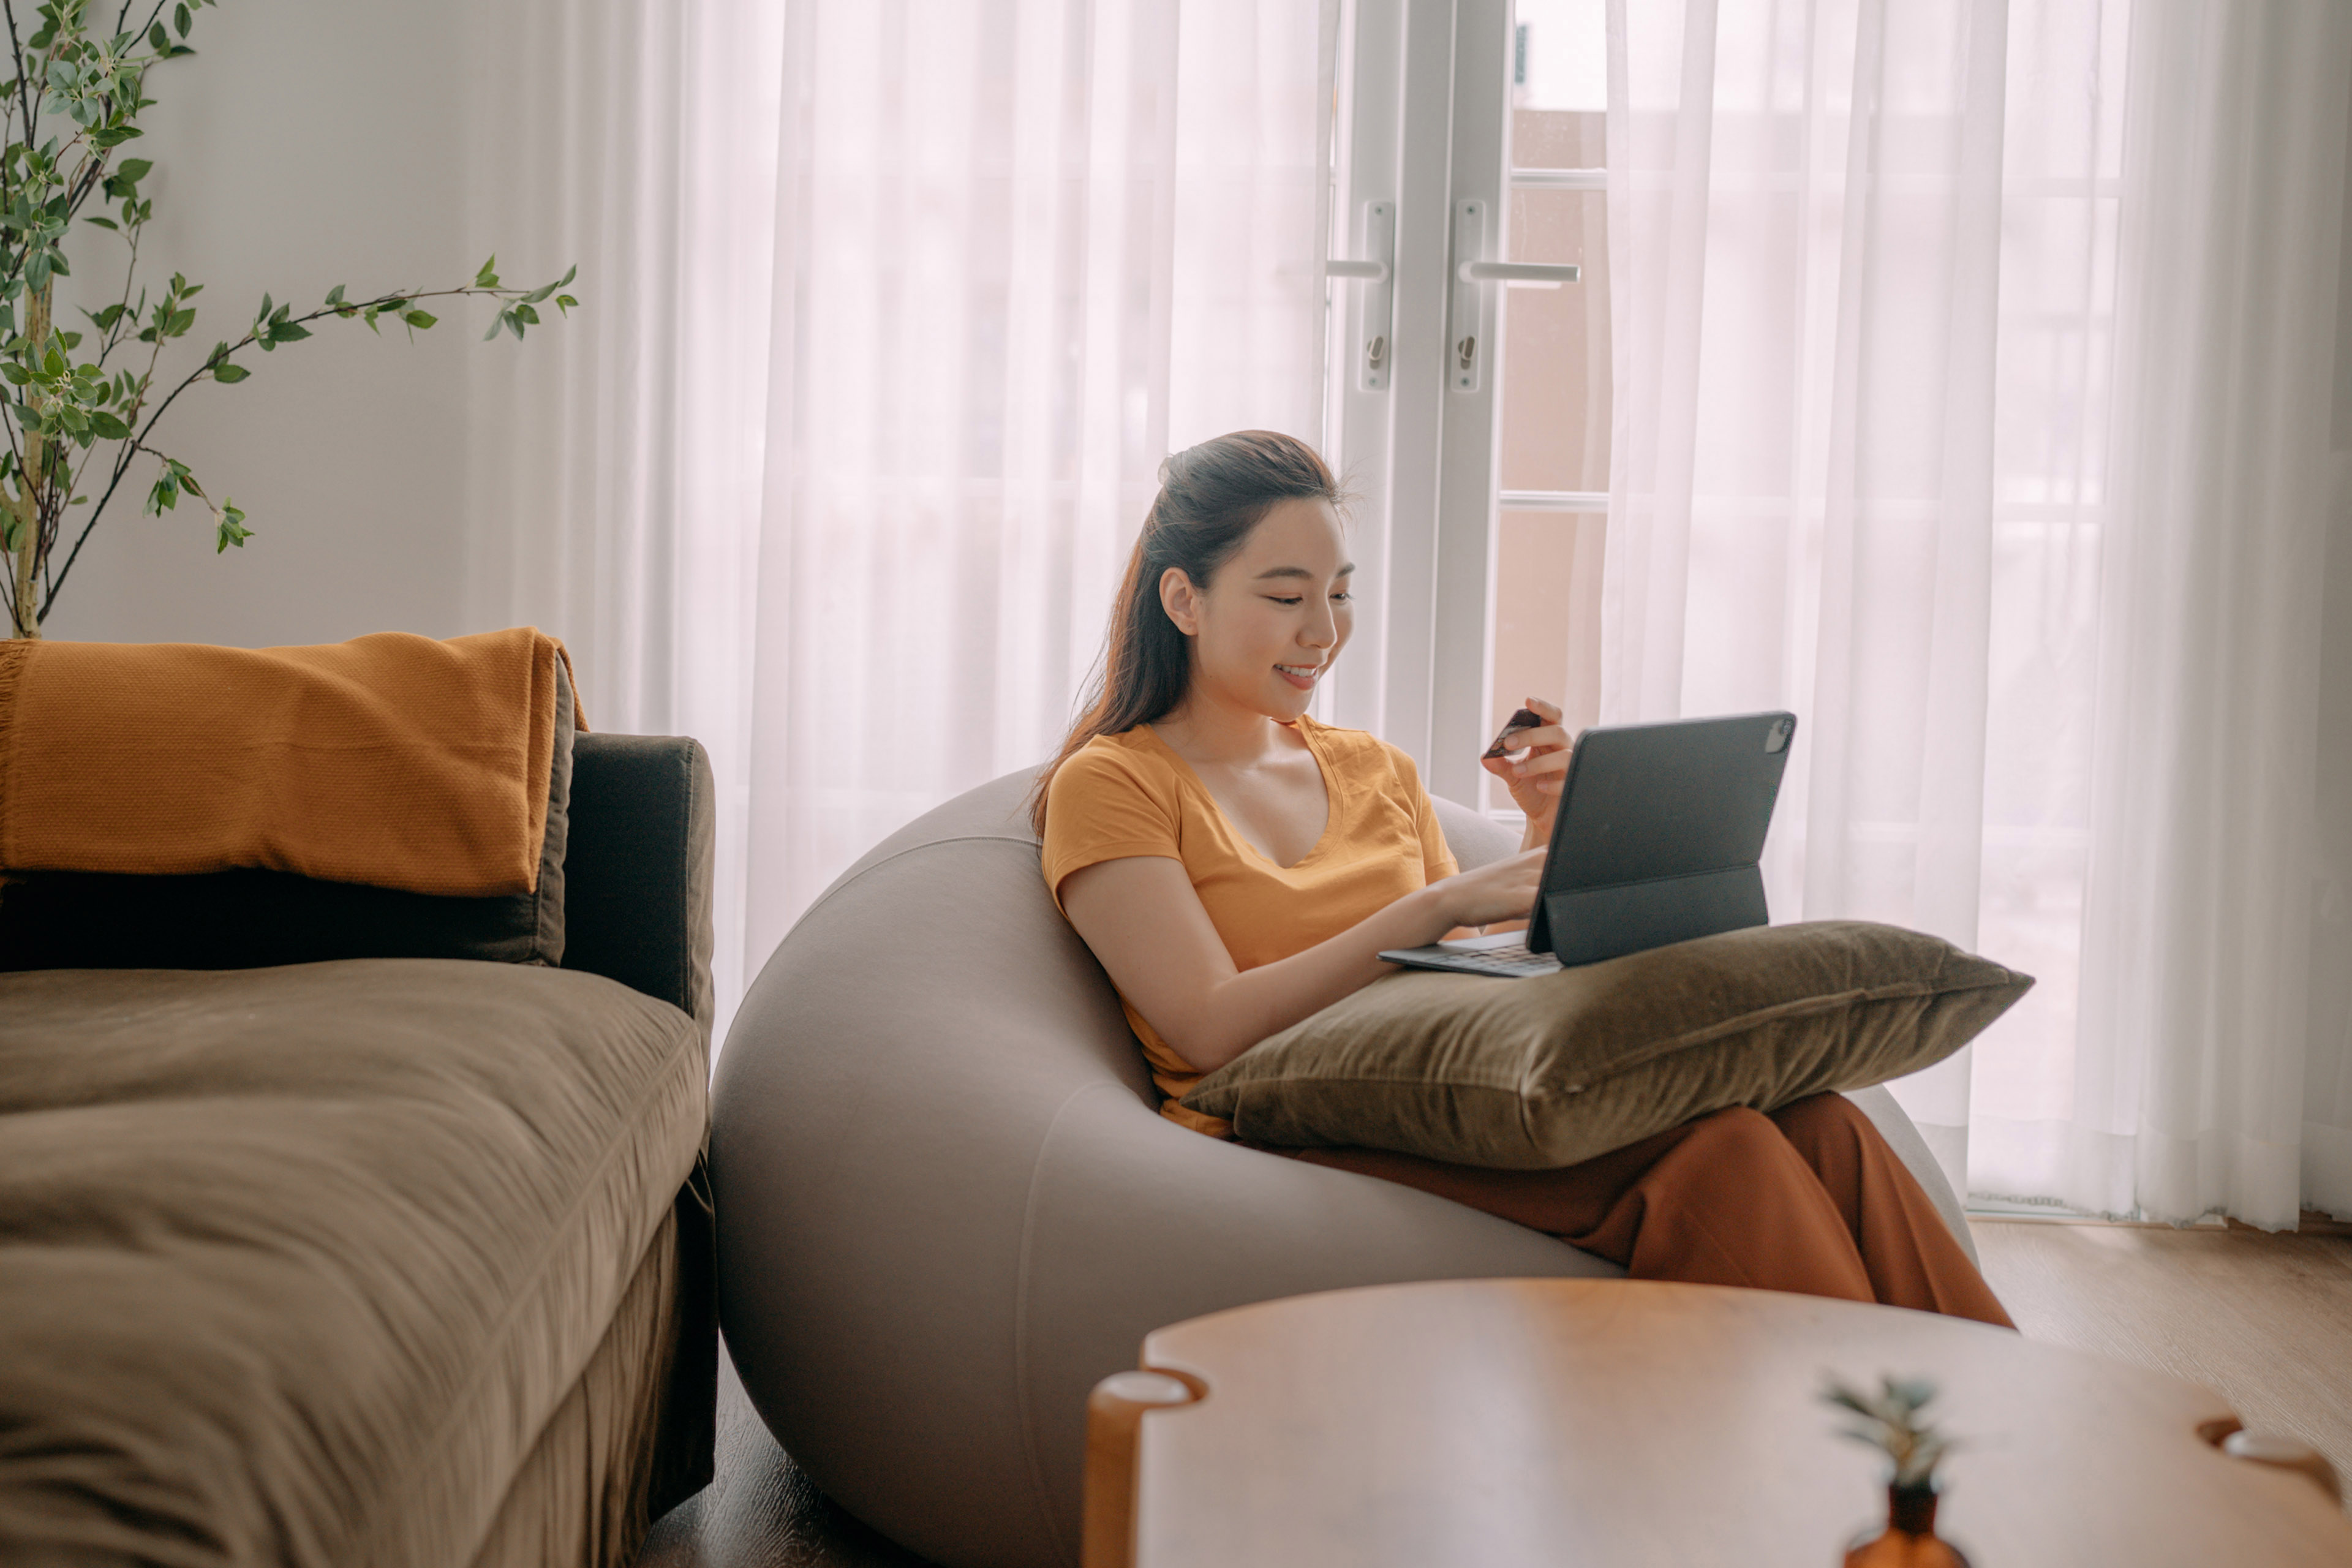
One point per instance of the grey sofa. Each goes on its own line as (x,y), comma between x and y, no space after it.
(947,1205)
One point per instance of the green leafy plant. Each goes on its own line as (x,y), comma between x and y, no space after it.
(79,405)
(1890,1421)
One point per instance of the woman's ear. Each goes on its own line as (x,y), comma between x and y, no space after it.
(1180,600)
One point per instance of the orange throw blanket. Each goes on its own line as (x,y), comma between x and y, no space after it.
(392,760)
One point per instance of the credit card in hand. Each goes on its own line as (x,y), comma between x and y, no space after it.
(1524,719)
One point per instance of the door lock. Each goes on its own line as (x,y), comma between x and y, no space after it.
(1376,272)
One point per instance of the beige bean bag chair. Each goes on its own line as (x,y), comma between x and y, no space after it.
(947,1205)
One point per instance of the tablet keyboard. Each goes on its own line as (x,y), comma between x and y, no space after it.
(1512,959)
(1509,959)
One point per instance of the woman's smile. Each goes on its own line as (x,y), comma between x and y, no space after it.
(1302,676)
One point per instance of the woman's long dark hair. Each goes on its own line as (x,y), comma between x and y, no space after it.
(1211,496)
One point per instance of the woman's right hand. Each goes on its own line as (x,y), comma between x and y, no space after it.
(1495,892)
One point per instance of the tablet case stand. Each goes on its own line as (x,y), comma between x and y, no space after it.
(1588,924)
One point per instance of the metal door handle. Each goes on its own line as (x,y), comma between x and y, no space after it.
(1518,272)
(1470,244)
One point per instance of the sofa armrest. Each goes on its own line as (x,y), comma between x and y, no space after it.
(638,869)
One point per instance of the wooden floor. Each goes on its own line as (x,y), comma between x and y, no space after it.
(760,1512)
(2263,1320)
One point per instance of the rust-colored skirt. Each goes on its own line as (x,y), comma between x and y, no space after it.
(1808,1199)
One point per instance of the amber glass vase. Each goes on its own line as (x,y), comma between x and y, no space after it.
(1909,1539)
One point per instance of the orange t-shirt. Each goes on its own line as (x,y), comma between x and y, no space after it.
(1131,794)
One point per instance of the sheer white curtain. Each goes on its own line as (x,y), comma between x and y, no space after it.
(1882,266)
(615,468)
(2190,1092)
(1025,249)
(895,307)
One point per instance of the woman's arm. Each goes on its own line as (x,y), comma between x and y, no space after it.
(1146,924)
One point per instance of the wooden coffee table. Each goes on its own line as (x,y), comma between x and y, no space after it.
(1488,1424)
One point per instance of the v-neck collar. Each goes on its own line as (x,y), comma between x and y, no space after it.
(1331,802)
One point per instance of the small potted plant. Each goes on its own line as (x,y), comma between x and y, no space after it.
(1890,1422)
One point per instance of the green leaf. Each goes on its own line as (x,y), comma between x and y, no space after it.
(180,19)
(130,171)
(420,320)
(16,374)
(158,39)
(335,295)
(565,281)
(229,375)
(487,277)
(106,223)
(288,332)
(109,426)
(497,324)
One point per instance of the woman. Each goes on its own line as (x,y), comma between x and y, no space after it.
(1236,866)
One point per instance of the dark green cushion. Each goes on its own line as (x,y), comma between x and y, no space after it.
(1527,1074)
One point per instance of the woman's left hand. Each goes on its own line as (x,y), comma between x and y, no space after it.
(1535,775)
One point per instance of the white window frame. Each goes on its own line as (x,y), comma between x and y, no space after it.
(1424,105)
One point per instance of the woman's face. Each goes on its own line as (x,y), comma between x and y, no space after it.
(1274,616)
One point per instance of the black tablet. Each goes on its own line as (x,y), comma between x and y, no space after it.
(1657,839)
(1659,836)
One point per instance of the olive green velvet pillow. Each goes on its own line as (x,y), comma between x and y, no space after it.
(1526,1074)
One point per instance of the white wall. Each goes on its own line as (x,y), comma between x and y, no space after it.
(305,145)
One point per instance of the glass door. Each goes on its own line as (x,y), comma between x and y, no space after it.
(1471,367)
(1553,373)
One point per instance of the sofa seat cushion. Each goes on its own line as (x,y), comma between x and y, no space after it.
(296,1263)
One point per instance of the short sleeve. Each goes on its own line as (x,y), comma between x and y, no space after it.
(1103,804)
(1437,861)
